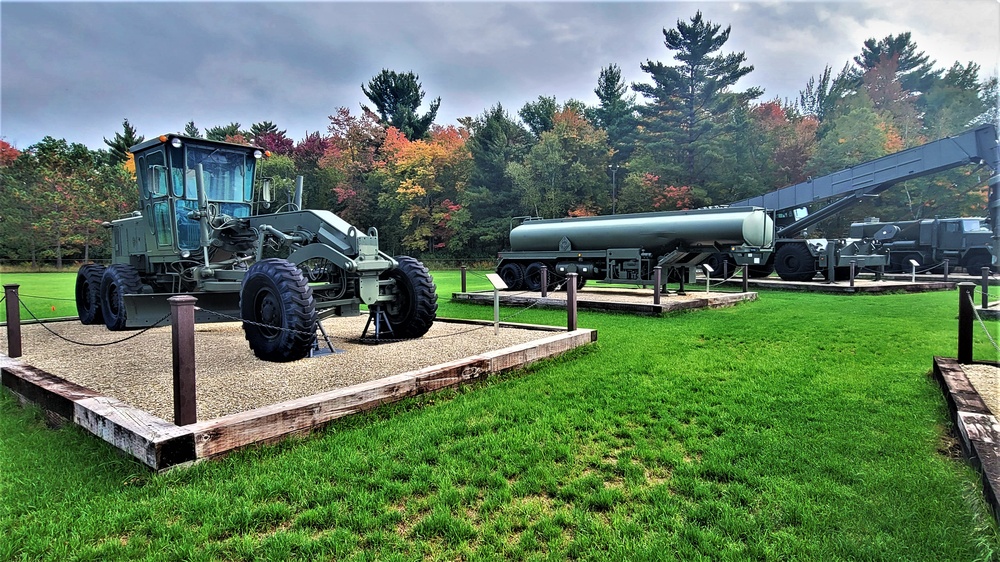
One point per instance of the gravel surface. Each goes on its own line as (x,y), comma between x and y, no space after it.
(229,378)
(986,380)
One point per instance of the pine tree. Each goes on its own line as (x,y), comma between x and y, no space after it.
(687,118)
(396,98)
(123,142)
(616,112)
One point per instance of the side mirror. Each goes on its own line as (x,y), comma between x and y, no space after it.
(265,193)
(265,190)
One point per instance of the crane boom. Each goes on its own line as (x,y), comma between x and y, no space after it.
(975,146)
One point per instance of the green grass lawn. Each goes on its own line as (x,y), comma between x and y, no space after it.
(798,427)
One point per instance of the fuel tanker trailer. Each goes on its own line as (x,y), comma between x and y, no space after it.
(626,248)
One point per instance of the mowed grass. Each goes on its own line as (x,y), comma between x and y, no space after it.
(46,295)
(797,427)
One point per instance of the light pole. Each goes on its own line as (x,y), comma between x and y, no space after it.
(614,190)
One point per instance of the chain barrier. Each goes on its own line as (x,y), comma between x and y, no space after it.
(46,298)
(725,280)
(86,344)
(983,324)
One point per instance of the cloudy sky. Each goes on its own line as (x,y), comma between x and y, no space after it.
(75,70)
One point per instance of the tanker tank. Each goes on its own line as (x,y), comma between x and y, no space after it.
(629,248)
(653,232)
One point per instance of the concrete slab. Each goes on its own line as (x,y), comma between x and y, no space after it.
(861,285)
(608,299)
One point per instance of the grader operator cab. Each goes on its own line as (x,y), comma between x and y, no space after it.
(201,231)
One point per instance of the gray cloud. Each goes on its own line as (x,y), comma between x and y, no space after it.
(74,70)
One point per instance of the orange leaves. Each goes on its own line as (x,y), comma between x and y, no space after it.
(129,164)
(7,153)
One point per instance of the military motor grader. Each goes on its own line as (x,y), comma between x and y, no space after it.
(204,229)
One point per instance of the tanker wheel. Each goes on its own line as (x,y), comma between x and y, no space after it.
(793,262)
(88,294)
(533,276)
(512,275)
(721,264)
(760,271)
(117,281)
(414,309)
(278,311)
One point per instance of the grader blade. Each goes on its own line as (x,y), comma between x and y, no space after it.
(143,310)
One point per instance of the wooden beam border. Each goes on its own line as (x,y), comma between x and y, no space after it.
(977,428)
(160,445)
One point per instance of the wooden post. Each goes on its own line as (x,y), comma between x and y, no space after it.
(657,283)
(571,301)
(854,264)
(746,277)
(946,270)
(463,279)
(182,345)
(965,317)
(986,287)
(13,320)
(545,281)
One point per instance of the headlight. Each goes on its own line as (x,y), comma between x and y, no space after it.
(258,154)
(175,142)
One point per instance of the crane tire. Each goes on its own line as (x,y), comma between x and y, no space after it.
(794,262)
(413,311)
(117,281)
(88,294)
(512,275)
(278,311)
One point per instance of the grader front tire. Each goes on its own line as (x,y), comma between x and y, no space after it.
(278,311)
(414,309)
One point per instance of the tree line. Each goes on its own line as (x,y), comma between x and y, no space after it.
(686,138)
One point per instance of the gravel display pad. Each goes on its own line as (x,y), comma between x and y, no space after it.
(986,380)
(229,378)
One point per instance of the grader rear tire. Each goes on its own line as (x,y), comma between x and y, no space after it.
(117,281)
(414,309)
(278,311)
(88,294)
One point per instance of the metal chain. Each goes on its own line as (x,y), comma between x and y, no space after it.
(46,298)
(86,344)
(259,324)
(983,324)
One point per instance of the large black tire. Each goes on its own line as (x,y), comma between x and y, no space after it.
(533,276)
(974,263)
(760,271)
(278,311)
(414,309)
(512,275)
(794,262)
(721,264)
(117,281)
(88,294)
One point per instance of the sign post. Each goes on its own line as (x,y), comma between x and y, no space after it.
(498,285)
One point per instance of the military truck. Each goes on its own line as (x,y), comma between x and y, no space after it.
(205,228)
(964,242)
